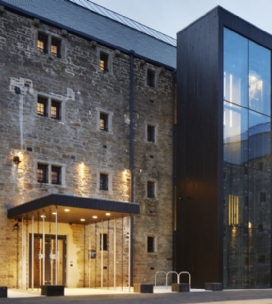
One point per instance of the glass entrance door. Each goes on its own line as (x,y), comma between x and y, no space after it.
(51,261)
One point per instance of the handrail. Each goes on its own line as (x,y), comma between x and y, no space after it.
(156,276)
(167,276)
(189,278)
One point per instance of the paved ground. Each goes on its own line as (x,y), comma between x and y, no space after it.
(217,297)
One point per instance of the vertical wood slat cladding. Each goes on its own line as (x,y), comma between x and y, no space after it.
(198,241)
(200,142)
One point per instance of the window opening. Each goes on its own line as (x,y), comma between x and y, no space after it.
(41,106)
(233,209)
(103,63)
(151,78)
(103,121)
(42,43)
(42,173)
(55,47)
(150,133)
(56,175)
(150,244)
(55,110)
(105,241)
(151,189)
(104,181)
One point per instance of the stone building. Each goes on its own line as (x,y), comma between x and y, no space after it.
(86,142)
(124,152)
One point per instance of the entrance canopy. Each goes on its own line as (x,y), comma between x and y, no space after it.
(73,209)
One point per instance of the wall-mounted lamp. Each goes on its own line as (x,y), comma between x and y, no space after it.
(16,160)
(16,226)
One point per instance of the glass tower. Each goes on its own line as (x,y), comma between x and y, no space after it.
(247,163)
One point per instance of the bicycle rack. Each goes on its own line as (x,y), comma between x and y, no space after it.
(156,276)
(189,278)
(166,284)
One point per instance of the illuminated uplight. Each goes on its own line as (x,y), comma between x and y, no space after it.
(249,225)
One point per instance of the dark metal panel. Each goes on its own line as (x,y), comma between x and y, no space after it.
(76,202)
(199,156)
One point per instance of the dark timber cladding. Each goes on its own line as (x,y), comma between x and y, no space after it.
(200,142)
(199,150)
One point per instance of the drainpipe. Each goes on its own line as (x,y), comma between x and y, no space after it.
(131,154)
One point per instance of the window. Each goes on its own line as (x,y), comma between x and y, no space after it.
(42,43)
(103,121)
(151,78)
(47,173)
(42,106)
(151,244)
(46,44)
(151,189)
(42,173)
(104,181)
(104,62)
(150,133)
(103,241)
(56,175)
(55,47)
(46,103)
(262,197)
(233,210)
(55,109)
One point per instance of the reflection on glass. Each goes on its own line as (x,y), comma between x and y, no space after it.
(235,68)
(233,210)
(259,140)
(235,134)
(259,78)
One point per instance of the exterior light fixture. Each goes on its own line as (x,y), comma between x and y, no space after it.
(16,160)
(54,213)
(108,214)
(82,220)
(94,216)
(16,226)
(43,216)
(67,210)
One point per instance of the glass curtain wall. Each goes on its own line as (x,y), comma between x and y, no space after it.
(247,163)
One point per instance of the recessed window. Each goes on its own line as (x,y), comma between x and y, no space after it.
(42,106)
(104,181)
(56,175)
(262,197)
(150,189)
(150,133)
(151,244)
(55,47)
(103,123)
(104,244)
(151,78)
(42,173)
(104,62)
(46,44)
(55,109)
(42,43)
(260,166)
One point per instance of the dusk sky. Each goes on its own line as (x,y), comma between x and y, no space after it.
(170,16)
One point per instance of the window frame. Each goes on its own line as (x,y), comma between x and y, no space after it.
(151,137)
(104,61)
(105,242)
(43,38)
(154,244)
(151,78)
(41,100)
(56,169)
(105,118)
(50,102)
(103,181)
(49,168)
(55,42)
(151,189)
(49,42)
(44,174)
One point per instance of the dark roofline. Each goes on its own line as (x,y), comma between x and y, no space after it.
(25,13)
(73,201)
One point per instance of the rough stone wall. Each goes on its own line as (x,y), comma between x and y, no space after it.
(76,143)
